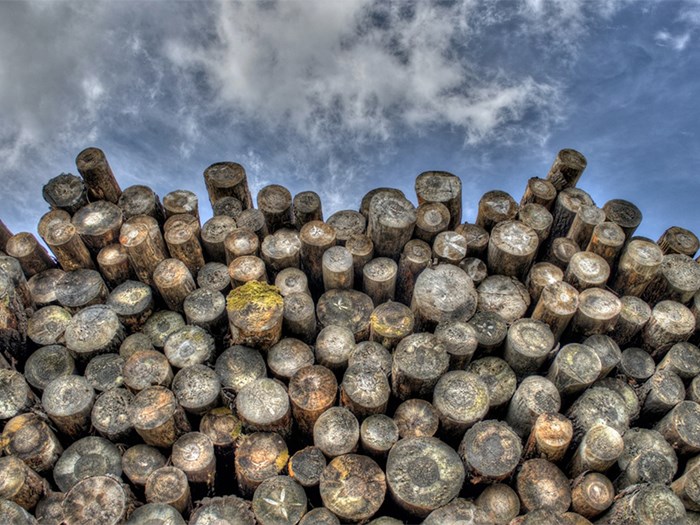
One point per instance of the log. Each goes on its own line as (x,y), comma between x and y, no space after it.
(623,213)
(160,325)
(336,432)
(182,220)
(365,391)
(416,256)
(146,368)
(549,438)
(495,206)
(444,188)
(378,434)
(475,268)
(141,200)
(560,251)
(683,359)
(598,405)
(686,487)
(504,296)
(287,357)
(279,500)
(300,317)
(263,406)
(416,418)
(638,266)
(68,400)
(29,438)
(646,505)
(337,268)
(197,389)
(670,323)
(575,368)
(224,430)
(679,240)
(542,486)
(13,322)
(20,484)
(567,205)
(587,218)
(193,453)
(693,391)
(227,206)
(260,456)
(306,465)
(13,269)
(227,179)
(681,428)
(255,313)
(391,220)
(184,245)
(239,365)
(316,237)
(539,191)
(624,390)
(499,378)
(134,342)
(307,207)
(367,199)
(662,391)
(443,293)
(292,281)
(104,372)
(323,516)
(49,220)
(87,457)
(491,330)
(133,303)
(246,269)
(372,354)
(156,514)
(449,247)
(92,331)
(500,503)
(110,415)
(144,246)
(169,485)
(527,346)
(540,275)
(227,508)
(281,250)
(68,248)
(634,315)
(361,248)
(490,451)
(275,203)
(47,325)
(538,218)
(31,255)
(607,350)
(636,365)
(98,224)
(390,322)
(423,474)
(253,220)
(592,494)
(181,202)
(419,362)
(456,511)
(102,499)
(5,235)
(646,458)
(534,396)
(114,265)
(598,312)
(599,450)
(190,345)
(347,223)
(379,279)
(348,308)
(431,219)
(353,487)
(587,270)
(97,174)
(157,417)
(567,169)
(477,239)
(81,288)
(174,282)
(206,309)
(213,234)
(312,391)
(459,340)
(678,280)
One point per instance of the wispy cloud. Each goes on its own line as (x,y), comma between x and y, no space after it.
(678,42)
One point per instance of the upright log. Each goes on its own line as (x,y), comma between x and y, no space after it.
(307,207)
(441,187)
(542,486)
(213,234)
(477,239)
(646,505)
(113,263)
(504,296)
(275,202)
(306,465)
(197,389)
(89,456)
(638,266)
(392,220)
(133,303)
(670,323)
(348,308)
(372,354)
(205,309)
(378,434)
(560,251)
(28,437)
(260,456)
(592,494)
(169,485)
(499,502)
(337,268)
(144,245)
(678,280)
(227,179)
(228,206)
(459,340)
(538,218)
(347,223)
(312,391)
(239,365)
(174,282)
(540,275)
(477,448)
(527,346)
(263,406)
(419,362)
(558,304)
(587,270)
(253,220)
(279,500)
(255,313)
(599,449)
(549,438)
(193,453)
(461,399)
(110,415)
(567,169)
(68,400)
(102,499)
(634,315)
(607,240)
(416,418)
(415,257)
(336,432)
(598,312)
(365,391)
(157,417)
(585,221)
(431,219)
(494,207)
(300,317)
(97,174)
(623,213)
(379,279)
(353,487)
(443,293)
(316,237)
(535,395)
(141,200)
(183,244)
(679,240)
(539,191)
(92,331)
(31,255)
(574,369)
(179,202)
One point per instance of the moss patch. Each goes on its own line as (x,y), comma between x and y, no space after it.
(259,294)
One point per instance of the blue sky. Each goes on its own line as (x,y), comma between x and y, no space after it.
(344,96)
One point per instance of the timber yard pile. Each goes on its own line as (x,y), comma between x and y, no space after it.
(388,365)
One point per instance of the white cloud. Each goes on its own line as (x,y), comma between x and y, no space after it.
(678,42)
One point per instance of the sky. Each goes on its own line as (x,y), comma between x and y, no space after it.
(341,97)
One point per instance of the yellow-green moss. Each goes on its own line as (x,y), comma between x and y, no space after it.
(258,293)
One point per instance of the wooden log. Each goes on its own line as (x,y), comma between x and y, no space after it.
(263,405)
(156,514)
(494,207)
(213,234)
(246,269)
(337,268)
(679,240)
(348,308)
(92,331)
(144,246)
(477,239)
(87,457)
(680,428)
(180,202)
(292,281)
(587,270)
(158,417)
(347,223)
(560,251)
(539,191)
(540,275)
(174,282)
(365,391)
(275,203)
(645,505)
(98,498)
(323,516)
(456,511)
(512,248)
(623,213)
(592,494)
(182,220)
(367,199)
(68,400)
(134,342)
(646,458)
(229,508)
(541,485)
(188,346)
(567,169)
(587,218)
(607,350)
(312,391)
(505,296)
(214,276)
(390,322)
(538,218)
(416,418)
(255,313)
(683,359)
(549,438)
(227,206)
(306,465)
(145,368)
(670,323)
(500,503)
(114,265)
(432,218)
(443,293)
(371,354)
(141,200)
(184,245)
(527,346)
(534,396)
(287,357)
(281,250)
(133,303)
(47,325)
(32,256)
(193,453)
(378,434)
(169,485)
(687,486)
(662,391)
(28,437)
(316,237)
(260,456)
(693,391)
(13,269)
(459,340)
(361,248)
(13,322)
(353,487)
(678,279)
(499,378)
(5,235)
(575,368)
(624,390)
(481,464)
(423,474)
(598,312)
(227,179)
(300,317)
(253,219)
(160,325)
(636,365)
(419,362)
(197,389)
(224,430)
(598,405)
(20,484)
(336,432)
(449,247)
(307,207)
(98,224)
(49,220)
(392,220)
(279,500)
(379,279)
(441,187)
(110,415)
(97,174)
(416,256)
(607,240)
(475,268)
(67,246)
(634,315)
(206,310)
(599,450)
(104,372)
(638,266)
(81,288)
(239,365)
(567,205)
(491,330)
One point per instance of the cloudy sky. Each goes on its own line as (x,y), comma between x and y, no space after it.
(343,96)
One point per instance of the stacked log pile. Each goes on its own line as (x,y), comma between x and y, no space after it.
(387,365)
